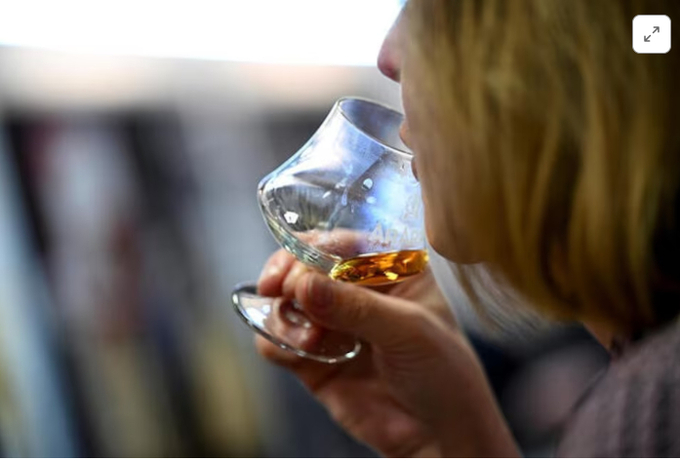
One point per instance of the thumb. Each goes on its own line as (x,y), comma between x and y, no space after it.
(379,319)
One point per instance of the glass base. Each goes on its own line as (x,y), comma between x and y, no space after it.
(284,324)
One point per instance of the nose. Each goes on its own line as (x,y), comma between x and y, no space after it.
(390,56)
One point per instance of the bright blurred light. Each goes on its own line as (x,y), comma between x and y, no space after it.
(326,32)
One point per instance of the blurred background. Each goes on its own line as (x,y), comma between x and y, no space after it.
(132,138)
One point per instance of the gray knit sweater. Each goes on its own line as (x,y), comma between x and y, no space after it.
(633,409)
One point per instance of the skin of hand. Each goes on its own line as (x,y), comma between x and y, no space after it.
(417,387)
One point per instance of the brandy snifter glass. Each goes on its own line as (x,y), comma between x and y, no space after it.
(347,205)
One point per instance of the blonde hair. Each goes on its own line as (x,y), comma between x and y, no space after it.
(567,160)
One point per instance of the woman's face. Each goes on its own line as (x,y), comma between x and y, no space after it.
(424,133)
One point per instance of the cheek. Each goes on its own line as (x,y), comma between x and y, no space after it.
(435,227)
(436,210)
(448,240)
(434,163)
(446,233)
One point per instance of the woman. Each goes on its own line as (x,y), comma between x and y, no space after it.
(546,148)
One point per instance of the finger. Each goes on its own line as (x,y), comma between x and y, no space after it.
(289,325)
(314,375)
(379,319)
(274,272)
(343,243)
(275,354)
(291,279)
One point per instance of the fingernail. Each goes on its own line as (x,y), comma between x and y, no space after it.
(320,291)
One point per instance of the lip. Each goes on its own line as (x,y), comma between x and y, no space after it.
(405,138)
(404,134)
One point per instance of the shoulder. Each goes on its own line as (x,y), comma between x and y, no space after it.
(634,409)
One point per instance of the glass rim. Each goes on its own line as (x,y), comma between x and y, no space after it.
(396,150)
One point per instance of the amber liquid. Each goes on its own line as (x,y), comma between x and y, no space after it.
(381,268)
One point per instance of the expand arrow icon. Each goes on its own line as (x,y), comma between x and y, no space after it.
(647,38)
(656,29)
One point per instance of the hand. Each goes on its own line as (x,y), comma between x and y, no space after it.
(416,389)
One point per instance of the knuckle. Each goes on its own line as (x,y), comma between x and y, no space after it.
(292,278)
(278,263)
(420,324)
(359,308)
(280,257)
(270,280)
